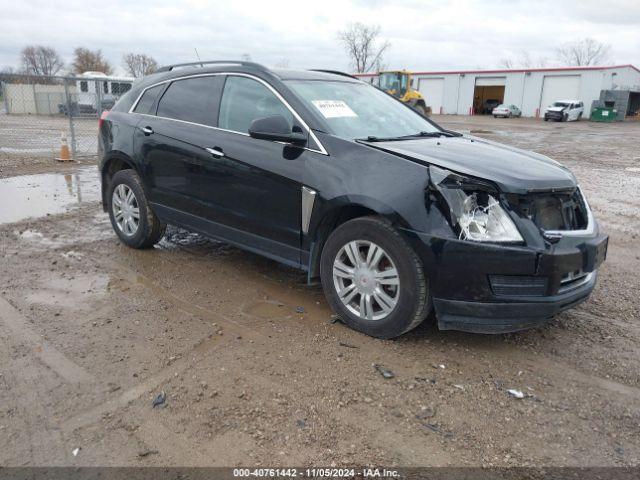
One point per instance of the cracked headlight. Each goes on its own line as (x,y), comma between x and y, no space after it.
(472,208)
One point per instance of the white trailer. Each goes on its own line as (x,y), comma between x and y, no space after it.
(96,91)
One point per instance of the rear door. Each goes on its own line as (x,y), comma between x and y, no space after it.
(173,145)
(577,110)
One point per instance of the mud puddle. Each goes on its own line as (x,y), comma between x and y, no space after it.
(34,196)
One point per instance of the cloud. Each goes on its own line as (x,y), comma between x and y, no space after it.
(424,34)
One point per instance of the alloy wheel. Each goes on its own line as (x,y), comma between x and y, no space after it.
(366,280)
(125,209)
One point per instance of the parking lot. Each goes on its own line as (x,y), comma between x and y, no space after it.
(28,141)
(257,371)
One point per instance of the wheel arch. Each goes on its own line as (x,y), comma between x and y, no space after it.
(340,211)
(115,162)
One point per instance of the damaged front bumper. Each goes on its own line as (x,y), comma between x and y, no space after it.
(491,288)
(554,115)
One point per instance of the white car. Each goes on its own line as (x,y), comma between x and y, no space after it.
(564,111)
(504,110)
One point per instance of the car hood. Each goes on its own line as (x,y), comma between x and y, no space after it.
(512,169)
(556,109)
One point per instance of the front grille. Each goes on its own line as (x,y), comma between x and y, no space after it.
(518,285)
(553,211)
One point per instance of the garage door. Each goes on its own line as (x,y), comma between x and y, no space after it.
(491,81)
(561,87)
(432,90)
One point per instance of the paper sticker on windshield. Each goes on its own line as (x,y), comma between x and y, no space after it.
(334,108)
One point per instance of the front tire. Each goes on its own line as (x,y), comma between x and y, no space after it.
(421,109)
(373,279)
(131,216)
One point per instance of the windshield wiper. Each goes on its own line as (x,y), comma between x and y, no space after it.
(427,134)
(423,134)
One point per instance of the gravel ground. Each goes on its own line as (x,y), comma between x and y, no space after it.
(255,372)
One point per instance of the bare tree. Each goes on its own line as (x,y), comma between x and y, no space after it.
(523,60)
(139,64)
(362,46)
(587,51)
(506,63)
(40,60)
(86,60)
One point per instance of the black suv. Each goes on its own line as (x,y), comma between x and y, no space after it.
(323,172)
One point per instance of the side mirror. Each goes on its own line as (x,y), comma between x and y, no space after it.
(277,129)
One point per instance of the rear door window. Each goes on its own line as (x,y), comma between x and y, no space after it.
(192,100)
(245,100)
(148,100)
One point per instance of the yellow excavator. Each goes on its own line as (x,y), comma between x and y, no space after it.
(400,84)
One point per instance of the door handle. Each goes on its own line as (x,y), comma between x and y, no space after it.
(147,130)
(216,152)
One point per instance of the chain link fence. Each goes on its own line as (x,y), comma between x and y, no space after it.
(36,111)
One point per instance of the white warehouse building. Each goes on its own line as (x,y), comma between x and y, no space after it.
(469,92)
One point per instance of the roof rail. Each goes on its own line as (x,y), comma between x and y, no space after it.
(168,68)
(335,72)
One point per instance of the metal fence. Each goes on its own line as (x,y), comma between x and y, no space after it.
(36,111)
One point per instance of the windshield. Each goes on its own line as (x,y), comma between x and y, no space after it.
(358,110)
(560,104)
(393,81)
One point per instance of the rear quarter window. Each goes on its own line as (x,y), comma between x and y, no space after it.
(148,99)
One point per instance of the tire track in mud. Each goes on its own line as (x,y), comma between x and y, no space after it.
(368,348)
(273,290)
(21,328)
(27,384)
(417,443)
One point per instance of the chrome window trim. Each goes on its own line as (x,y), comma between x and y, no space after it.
(190,123)
(591,224)
(322,150)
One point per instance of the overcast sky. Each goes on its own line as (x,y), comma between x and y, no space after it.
(424,34)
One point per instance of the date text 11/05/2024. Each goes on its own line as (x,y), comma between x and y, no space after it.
(316,472)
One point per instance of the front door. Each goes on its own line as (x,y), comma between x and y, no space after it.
(255,186)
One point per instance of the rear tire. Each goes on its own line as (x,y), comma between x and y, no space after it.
(383,298)
(131,216)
